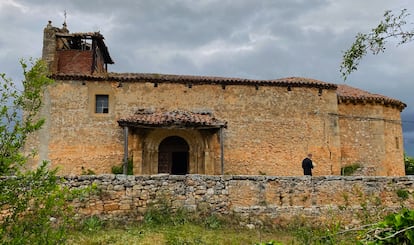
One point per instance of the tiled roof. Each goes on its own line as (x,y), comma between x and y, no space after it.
(194,80)
(347,94)
(173,119)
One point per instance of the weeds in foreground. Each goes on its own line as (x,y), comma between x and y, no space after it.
(397,228)
(164,224)
(188,233)
(184,229)
(92,224)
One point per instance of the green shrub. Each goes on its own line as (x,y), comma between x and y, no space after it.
(403,194)
(38,209)
(350,169)
(162,213)
(409,165)
(213,222)
(119,169)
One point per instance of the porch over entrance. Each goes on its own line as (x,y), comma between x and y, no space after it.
(174,142)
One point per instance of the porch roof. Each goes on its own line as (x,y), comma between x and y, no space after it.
(145,118)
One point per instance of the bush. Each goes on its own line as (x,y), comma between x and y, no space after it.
(213,222)
(409,165)
(350,169)
(119,169)
(403,194)
(163,214)
(37,210)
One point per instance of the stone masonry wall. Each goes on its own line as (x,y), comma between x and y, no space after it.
(254,199)
(269,129)
(393,137)
(371,135)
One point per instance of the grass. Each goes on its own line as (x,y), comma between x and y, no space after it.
(162,224)
(187,233)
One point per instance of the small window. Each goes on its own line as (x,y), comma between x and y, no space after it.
(102,103)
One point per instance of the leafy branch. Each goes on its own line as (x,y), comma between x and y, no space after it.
(19,113)
(391,27)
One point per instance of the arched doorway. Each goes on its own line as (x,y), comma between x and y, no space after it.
(173,156)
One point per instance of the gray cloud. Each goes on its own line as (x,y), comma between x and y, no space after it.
(244,38)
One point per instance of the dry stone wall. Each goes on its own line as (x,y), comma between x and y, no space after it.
(254,199)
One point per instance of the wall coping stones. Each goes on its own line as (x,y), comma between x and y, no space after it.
(238,177)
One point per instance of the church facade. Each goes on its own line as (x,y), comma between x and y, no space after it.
(181,124)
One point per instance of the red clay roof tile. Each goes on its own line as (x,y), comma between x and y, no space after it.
(189,79)
(175,119)
(347,94)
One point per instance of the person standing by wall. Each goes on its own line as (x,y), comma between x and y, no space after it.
(307,165)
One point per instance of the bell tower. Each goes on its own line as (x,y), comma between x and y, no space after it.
(74,53)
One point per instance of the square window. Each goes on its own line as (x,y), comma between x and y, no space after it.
(102,103)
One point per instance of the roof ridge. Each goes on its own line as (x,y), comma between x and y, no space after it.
(348,94)
(198,79)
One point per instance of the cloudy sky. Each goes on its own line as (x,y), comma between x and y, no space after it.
(258,39)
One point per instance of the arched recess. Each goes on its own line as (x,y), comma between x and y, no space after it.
(199,153)
(173,156)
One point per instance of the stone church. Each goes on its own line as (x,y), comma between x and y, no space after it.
(181,124)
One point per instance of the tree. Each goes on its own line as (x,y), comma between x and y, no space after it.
(14,127)
(34,205)
(393,26)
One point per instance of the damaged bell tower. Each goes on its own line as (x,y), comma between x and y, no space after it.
(74,53)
